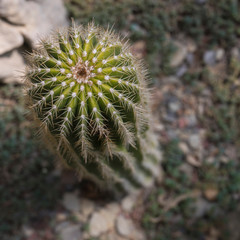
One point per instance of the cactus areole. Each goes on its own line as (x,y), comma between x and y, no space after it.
(90,95)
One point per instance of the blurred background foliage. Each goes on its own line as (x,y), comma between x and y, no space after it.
(25,168)
(29,185)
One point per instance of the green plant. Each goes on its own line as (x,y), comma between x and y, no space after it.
(90,95)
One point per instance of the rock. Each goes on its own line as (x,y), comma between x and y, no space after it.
(193,161)
(211,193)
(210,159)
(235,52)
(191,120)
(184,147)
(220,54)
(181,70)
(71,232)
(190,59)
(209,57)
(41,18)
(87,207)
(128,202)
(224,159)
(194,141)
(14,11)
(103,220)
(61,217)
(71,202)
(11,64)
(179,55)
(126,228)
(201,207)
(174,106)
(10,38)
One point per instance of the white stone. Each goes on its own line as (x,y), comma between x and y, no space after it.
(209,57)
(11,65)
(87,207)
(103,220)
(194,141)
(10,38)
(71,202)
(184,147)
(126,228)
(179,56)
(128,202)
(13,11)
(220,54)
(41,18)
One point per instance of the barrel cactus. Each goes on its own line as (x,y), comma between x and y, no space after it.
(90,96)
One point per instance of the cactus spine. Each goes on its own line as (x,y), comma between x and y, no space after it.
(90,95)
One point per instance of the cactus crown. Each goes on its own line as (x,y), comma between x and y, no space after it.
(89,93)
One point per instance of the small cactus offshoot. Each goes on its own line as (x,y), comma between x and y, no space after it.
(90,95)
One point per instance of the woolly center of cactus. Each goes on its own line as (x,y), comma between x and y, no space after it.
(81,72)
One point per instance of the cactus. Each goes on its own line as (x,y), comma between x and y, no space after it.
(90,95)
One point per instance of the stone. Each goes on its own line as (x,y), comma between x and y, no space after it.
(194,141)
(211,193)
(128,202)
(12,64)
(191,46)
(174,106)
(193,161)
(209,57)
(61,217)
(71,202)
(179,56)
(103,220)
(41,18)
(10,38)
(201,207)
(14,11)
(184,147)
(87,207)
(191,120)
(126,228)
(190,59)
(235,52)
(181,70)
(71,232)
(220,54)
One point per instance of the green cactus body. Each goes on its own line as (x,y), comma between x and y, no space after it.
(90,95)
